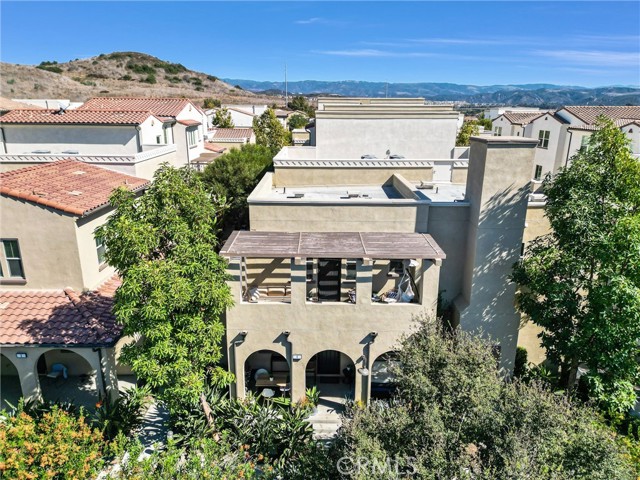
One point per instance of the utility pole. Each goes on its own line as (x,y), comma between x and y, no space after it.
(286,92)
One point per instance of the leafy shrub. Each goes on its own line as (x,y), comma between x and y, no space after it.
(11,81)
(173,79)
(520,365)
(297,120)
(118,56)
(199,89)
(151,78)
(56,445)
(238,87)
(53,69)
(212,78)
(171,68)
(126,77)
(122,415)
(139,68)
(196,81)
(211,103)
(95,62)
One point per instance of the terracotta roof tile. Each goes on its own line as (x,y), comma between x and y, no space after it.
(75,117)
(522,118)
(623,122)
(67,185)
(222,134)
(59,317)
(165,107)
(589,114)
(189,123)
(214,147)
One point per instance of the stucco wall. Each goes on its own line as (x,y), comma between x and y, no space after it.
(93,273)
(551,157)
(87,140)
(292,176)
(411,137)
(47,240)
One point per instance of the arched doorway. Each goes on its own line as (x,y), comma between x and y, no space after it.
(67,376)
(10,389)
(267,372)
(383,381)
(333,373)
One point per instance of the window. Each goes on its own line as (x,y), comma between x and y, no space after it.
(584,142)
(158,139)
(191,138)
(350,270)
(497,132)
(13,259)
(101,249)
(538,174)
(310,265)
(543,138)
(165,130)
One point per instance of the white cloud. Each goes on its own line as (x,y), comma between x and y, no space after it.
(320,21)
(371,52)
(592,57)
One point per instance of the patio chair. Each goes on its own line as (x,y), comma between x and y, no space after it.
(58,369)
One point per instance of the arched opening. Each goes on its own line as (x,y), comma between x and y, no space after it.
(67,377)
(333,373)
(383,381)
(267,372)
(10,389)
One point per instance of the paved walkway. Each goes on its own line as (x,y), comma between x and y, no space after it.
(153,431)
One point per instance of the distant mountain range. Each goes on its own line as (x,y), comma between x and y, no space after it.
(537,94)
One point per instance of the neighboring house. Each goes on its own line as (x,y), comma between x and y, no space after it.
(47,103)
(231,137)
(132,142)
(551,131)
(495,112)
(513,123)
(7,105)
(377,127)
(243,115)
(183,120)
(55,288)
(212,152)
(344,253)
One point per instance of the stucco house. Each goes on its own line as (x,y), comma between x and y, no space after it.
(231,137)
(184,122)
(346,250)
(58,334)
(132,142)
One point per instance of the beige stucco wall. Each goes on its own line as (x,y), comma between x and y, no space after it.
(47,240)
(537,224)
(292,176)
(93,273)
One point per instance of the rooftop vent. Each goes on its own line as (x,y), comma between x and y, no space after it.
(79,172)
(41,152)
(396,157)
(296,195)
(75,193)
(425,186)
(368,156)
(71,152)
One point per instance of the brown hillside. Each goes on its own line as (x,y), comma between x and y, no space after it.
(117,74)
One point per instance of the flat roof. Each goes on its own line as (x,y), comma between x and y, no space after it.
(374,245)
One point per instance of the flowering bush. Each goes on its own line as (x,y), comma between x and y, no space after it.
(56,445)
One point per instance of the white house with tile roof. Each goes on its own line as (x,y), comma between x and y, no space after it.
(129,141)
(513,123)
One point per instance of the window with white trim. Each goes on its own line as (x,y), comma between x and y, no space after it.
(101,250)
(192,138)
(584,142)
(12,259)
(543,138)
(497,132)
(538,174)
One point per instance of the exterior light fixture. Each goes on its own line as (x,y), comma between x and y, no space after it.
(286,333)
(373,335)
(21,354)
(296,357)
(243,333)
(364,372)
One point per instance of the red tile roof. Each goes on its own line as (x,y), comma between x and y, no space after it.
(214,147)
(589,114)
(165,107)
(67,185)
(522,118)
(76,117)
(623,122)
(222,134)
(189,123)
(59,317)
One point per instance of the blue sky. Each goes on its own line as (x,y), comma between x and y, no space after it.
(482,43)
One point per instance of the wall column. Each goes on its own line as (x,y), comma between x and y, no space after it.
(110,373)
(364,272)
(430,285)
(298,374)
(298,282)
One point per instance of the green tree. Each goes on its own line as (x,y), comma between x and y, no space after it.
(581,282)
(222,119)
(455,417)
(485,122)
(468,129)
(211,103)
(297,120)
(173,284)
(301,104)
(233,176)
(270,132)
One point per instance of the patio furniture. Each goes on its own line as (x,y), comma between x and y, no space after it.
(57,370)
(268,393)
(260,373)
(275,380)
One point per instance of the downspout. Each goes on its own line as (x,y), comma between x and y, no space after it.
(566,160)
(104,385)
(138,140)
(4,143)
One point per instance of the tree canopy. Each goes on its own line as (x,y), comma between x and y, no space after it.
(297,120)
(222,119)
(174,289)
(270,132)
(581,282)
(211,103)
(233,176)
(301,104)
(454,417)
(468,129)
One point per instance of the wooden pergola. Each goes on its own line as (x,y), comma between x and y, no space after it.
(371,245)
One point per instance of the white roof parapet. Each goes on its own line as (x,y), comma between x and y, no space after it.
(357,163)
(53,157)
(154,152)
